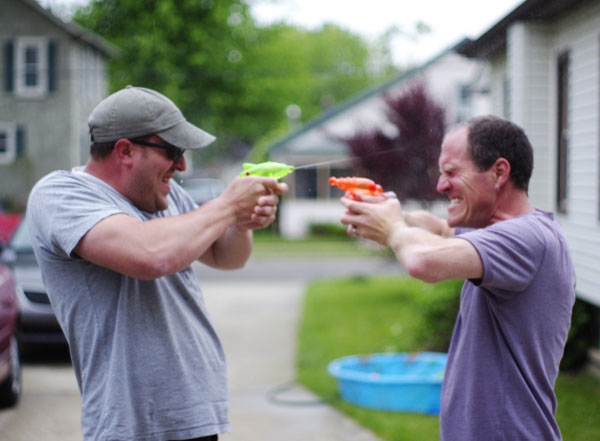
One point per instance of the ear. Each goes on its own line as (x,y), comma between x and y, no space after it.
(124,150)
(501,170)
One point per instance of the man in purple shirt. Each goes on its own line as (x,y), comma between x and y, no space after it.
(516,302)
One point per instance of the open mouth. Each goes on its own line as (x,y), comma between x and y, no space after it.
(167,183)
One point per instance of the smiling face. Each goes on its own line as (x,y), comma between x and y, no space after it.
(151,176)
(472,192)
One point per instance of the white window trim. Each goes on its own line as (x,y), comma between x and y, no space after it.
(10,130)
(41,88)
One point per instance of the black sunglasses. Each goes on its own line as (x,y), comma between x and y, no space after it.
(173,153)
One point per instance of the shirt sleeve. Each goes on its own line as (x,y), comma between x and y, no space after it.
(511,253)
(61,210)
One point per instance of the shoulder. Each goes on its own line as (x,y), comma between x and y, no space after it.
(72,195)
(64,206)
(63,179)
(522,238)
(48,187)
(52,179)
(511,251)
(532,225)
(61,186)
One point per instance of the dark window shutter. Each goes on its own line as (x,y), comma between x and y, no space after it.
(52,64)
(9,66)
(20,142)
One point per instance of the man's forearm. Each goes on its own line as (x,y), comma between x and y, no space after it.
(232,250)
(431,257)
(428,222)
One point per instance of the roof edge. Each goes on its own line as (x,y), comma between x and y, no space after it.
(494,38)
(364,95)
(76,31)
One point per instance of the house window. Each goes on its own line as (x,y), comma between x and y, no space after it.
(306,183)
(464,103)
(562,141)
(464,95)
(7,143)
(31,66)
(339,172)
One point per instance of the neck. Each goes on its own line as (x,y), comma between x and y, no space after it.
(511,203)
(104,170)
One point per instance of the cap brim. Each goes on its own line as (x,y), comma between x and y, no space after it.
(186,136)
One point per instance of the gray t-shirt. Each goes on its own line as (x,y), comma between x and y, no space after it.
(510,334)
(147,359)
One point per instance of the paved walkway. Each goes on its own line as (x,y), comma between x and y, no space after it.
(257,322)
(256,312)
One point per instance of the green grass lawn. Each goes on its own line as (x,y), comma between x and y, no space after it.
(362,316)
(270,246)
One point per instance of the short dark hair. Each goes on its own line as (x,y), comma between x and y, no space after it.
(100,150)
(491,137)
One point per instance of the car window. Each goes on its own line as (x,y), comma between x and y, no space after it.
(20,241)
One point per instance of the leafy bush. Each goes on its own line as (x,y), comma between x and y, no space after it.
(441,306)
(581,337)
(329,230)
(439,312)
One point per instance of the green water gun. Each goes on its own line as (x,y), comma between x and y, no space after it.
(269,169)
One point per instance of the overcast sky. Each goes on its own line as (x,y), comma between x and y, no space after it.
(449,21)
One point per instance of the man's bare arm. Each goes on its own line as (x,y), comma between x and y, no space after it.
(147,250)
(429,222)
(433,258)
(423,243)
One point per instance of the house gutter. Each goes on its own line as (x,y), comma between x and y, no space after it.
(494,39)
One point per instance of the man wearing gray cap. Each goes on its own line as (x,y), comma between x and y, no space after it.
(115,241)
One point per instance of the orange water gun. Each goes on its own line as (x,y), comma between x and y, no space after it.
(356,186)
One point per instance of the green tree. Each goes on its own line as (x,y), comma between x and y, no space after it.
(312,70)
(185,49)
(228,75)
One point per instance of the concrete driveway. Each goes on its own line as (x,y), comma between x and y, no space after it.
(256,312)
(257,322)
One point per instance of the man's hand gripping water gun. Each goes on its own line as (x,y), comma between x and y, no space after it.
(361,198)
(266,205)
(361,190)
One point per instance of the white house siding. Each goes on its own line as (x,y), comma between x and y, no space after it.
(529,95)
(497,84)
(524,77)
(88,87)
(579,32)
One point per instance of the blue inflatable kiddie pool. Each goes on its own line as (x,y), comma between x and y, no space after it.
(398,382)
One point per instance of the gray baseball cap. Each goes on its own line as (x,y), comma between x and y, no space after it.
(136,111)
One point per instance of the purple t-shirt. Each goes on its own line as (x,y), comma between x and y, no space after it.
(510,334)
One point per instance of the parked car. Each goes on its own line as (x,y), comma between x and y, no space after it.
(8,224)
(10,356)
(37,322)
